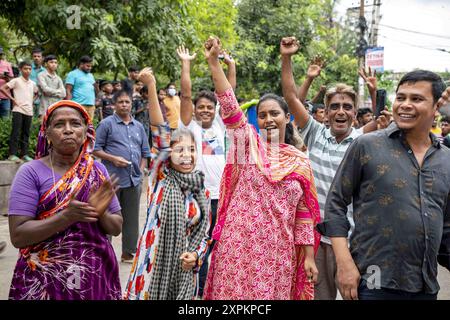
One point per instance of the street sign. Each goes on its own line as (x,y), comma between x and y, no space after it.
(375,58)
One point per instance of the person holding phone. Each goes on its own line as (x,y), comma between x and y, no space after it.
(398,182)
(326,146)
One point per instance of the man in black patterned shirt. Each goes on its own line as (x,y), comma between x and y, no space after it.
(398,180)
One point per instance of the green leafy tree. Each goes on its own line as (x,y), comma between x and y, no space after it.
(261,25)
(115,33)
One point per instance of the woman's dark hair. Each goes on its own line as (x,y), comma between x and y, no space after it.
(290,137)
(120,93)
(437,84)
(207,95)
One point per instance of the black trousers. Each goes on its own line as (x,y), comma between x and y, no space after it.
(20,134)
(205,266)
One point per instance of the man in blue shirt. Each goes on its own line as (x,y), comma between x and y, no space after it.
(122,144)
(36,69)
(80,85)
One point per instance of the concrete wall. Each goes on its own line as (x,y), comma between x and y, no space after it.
(8,170)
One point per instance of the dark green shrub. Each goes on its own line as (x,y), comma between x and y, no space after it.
(5,132)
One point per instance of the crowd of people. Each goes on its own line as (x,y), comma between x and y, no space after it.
(300,204)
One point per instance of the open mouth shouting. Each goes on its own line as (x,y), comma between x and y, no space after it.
(186,164)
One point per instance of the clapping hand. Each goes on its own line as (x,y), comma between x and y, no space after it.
(101,198)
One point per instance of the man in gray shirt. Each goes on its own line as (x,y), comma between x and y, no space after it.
(398,180)
(50,84)
(122,144)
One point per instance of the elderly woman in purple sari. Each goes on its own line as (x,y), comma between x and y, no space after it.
(62,207)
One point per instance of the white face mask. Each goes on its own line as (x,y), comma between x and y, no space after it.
(171,92)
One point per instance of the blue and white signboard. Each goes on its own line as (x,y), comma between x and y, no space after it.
(375,59)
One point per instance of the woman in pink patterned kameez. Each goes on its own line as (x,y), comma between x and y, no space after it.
(268,206)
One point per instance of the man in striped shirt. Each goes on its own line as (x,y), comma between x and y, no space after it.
(326,147)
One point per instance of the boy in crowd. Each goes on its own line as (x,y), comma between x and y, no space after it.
(105,104)
(25,92)
(50,84)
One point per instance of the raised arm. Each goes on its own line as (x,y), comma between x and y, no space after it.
(148,79)
(319,95)
(371,82)
(288,47)
(186,89)
(313,72)
(231,73)
(212,51)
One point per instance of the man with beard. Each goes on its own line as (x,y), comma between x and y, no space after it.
(80,85)
(398,181)
(327,147)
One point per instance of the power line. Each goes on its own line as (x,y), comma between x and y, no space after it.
(415,45)
(416,32)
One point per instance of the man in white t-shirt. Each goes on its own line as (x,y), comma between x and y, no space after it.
(200,117)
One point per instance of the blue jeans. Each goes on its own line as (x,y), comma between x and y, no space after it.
(364,293)
(5,108)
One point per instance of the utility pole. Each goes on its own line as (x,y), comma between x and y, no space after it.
(376,17)
(361,50)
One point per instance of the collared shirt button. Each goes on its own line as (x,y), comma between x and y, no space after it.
(409,151)
(426,237)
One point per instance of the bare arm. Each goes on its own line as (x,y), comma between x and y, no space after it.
(26,231)
(319,95)
(186,87)
(6,91)
(313,72)
(155,114)
(231,72)
(111,223)
(69,88)
(288,47)
(371,82)
(212,50)
(348,275)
